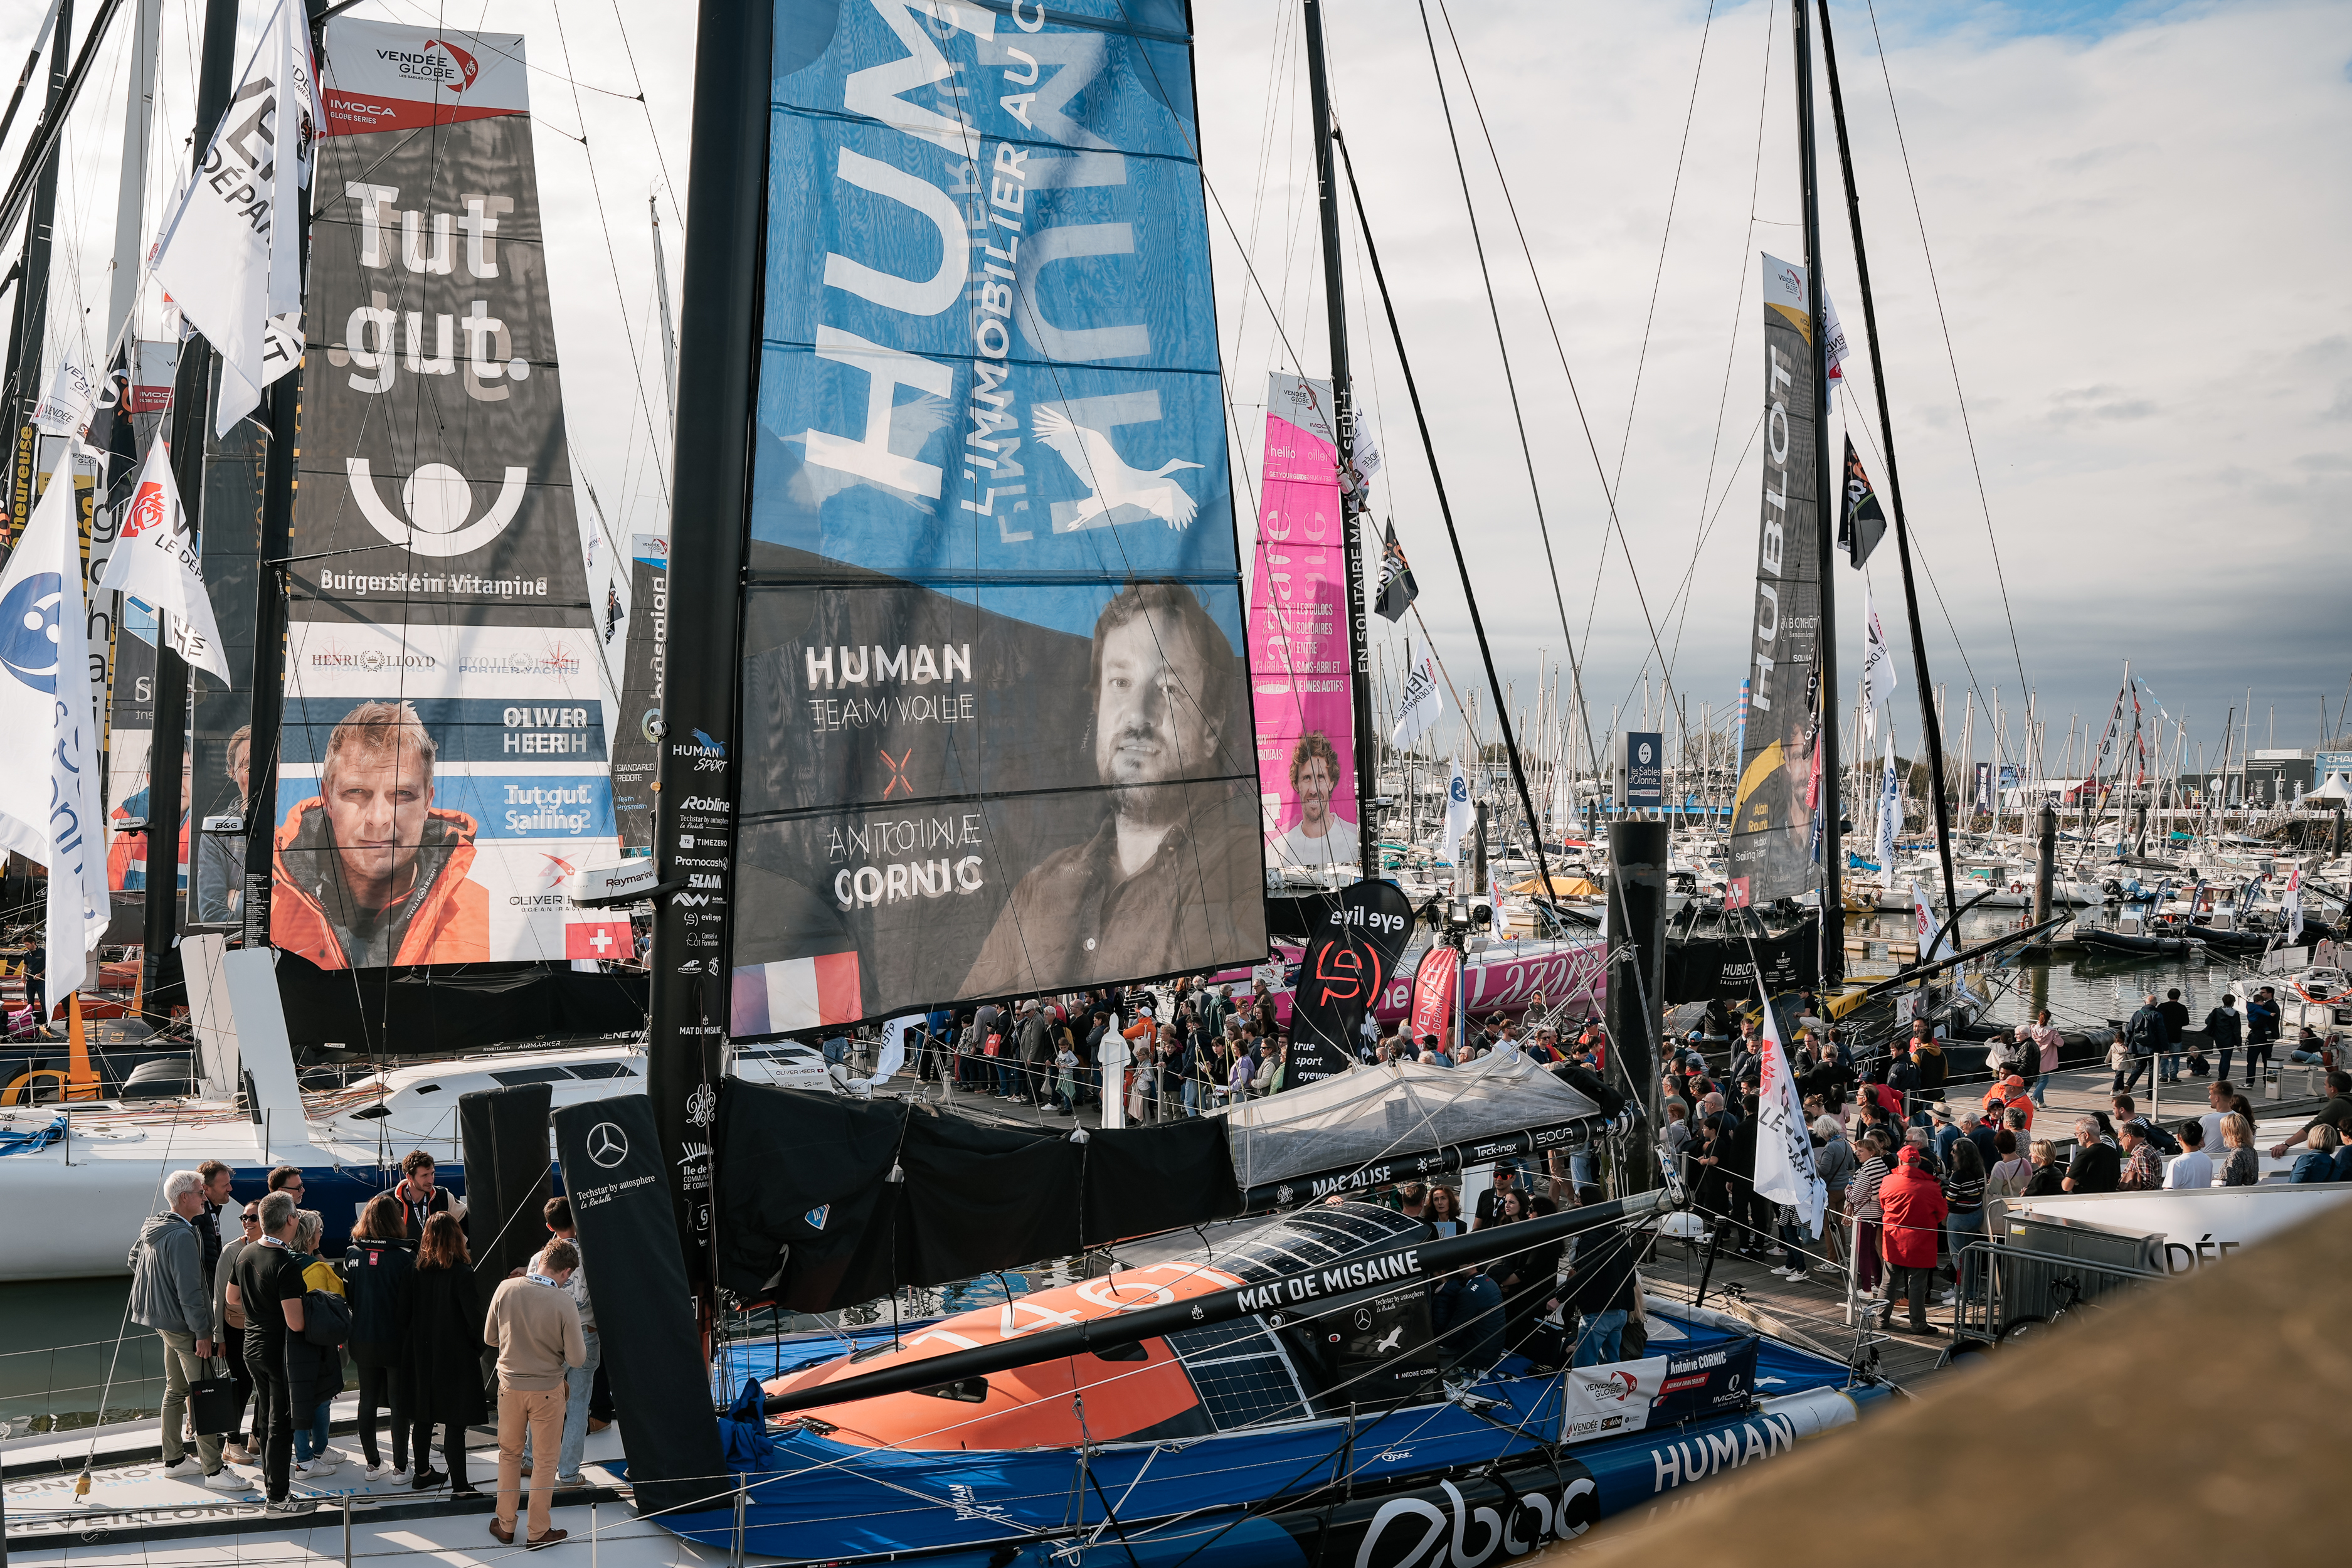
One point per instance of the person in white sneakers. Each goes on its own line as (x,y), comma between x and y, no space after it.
(168,1295)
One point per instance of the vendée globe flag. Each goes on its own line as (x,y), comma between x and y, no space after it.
(156,563)
(229,256)
(52,814)
(1785,1172)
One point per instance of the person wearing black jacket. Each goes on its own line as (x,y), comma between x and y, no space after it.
(2175,1024)
(444,1355)
(1602,1281)
(1755,1216)
(378,1271)
(1526,1279)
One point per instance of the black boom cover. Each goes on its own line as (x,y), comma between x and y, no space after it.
(809,1218)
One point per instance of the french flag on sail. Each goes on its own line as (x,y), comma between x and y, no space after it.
(796,993)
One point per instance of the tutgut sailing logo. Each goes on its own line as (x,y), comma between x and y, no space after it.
(439,62)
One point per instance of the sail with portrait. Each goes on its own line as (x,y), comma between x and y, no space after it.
(1299,640)
(997,729)
(444,766)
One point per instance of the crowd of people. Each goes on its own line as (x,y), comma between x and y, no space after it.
(1186,1050)
(247,1287)
(1911,1168)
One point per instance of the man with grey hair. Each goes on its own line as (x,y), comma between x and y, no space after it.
(267,1288)
(168,1295)
(2097,1165)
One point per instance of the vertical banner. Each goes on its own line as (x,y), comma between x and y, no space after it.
(444,767)
(612,1172)
(1772,815)
(1784,1147)
(1984,786)
(1349,961)
(995,716)
(1645,767)
(636,740)
(1298,638)
(1434,984)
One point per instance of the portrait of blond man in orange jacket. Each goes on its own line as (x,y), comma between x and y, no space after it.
(370,872)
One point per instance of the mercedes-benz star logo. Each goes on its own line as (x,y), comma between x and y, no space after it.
(607,1145)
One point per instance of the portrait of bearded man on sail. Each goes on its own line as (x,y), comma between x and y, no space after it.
(370,872)
(1321,837)
(1170,878)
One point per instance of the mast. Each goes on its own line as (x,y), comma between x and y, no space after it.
(1832,901)
(668,330)
(191,416)
(1343,425)
(267,700)
(727,216)
(32,304)
(1931,729)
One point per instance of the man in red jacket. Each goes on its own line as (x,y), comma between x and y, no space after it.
(1914,1206)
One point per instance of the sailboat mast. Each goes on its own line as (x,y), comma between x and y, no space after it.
(1832,904)
(191,417)
(32,302)
(1343,425)
(1931,729)
(668,330)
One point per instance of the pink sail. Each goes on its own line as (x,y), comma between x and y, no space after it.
(1298,638)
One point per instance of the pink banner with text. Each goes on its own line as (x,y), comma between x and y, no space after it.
(1298,636)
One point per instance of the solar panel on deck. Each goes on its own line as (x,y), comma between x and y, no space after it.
(1240,1376)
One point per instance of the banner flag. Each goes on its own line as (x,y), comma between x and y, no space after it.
(52,814)
(439,626)
(1398,589)
(1833,351)
(1461,815)
(1785,1172)
(1420,704)
(1890,818)
(2292,906)
(1298,638)
(1348,962)
(1433,984)
(1862,523)
(1935,943)
(155,561)
(637,738)
(1878,680)
(229,256)
(1771,822)
(997,736)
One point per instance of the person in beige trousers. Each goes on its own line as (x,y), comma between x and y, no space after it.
(536,1325)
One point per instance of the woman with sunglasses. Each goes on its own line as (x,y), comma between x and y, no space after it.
(228,1329)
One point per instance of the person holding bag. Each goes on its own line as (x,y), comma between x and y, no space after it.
(314,1358)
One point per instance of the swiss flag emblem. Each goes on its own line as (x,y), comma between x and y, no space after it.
(597,938)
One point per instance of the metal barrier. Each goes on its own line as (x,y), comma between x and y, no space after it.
(2003,1285)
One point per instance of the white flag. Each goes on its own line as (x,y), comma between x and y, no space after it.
(1890,818)
(1934,943)
(1419,705)
(2292,907)
(229,256)
(53,814)
(156,561)
(1460,814)
(1785,1172)
(71,404)
(1878,668)
(1833,347)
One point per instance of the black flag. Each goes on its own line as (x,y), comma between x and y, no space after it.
(1350,958)
(1398,589)
(1860,525)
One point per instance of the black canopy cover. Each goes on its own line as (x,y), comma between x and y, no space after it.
(809,1218)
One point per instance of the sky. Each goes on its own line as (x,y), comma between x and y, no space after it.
(2138,217)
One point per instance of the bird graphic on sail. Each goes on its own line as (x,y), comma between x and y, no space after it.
(1093,458)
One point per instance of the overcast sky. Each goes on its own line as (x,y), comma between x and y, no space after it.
(2140,218)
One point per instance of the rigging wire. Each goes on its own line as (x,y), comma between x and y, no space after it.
(1951,355)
